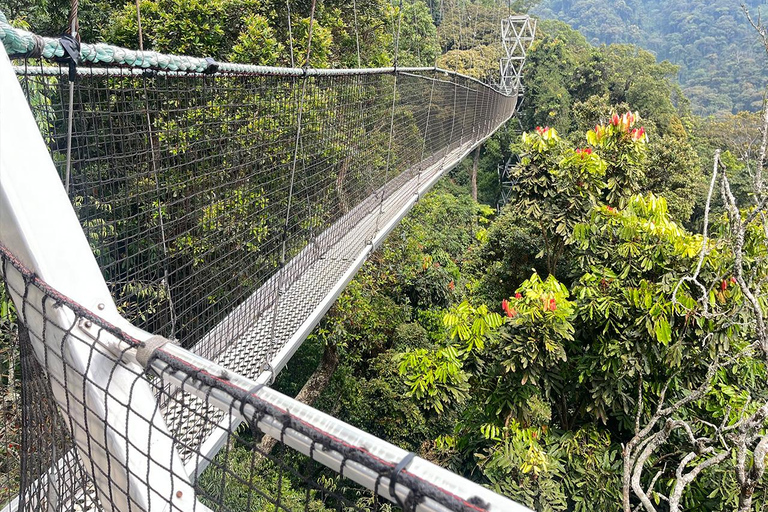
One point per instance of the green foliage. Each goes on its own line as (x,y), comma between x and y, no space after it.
(233,476)
(257,44)
(195,27)
(630,262)
(720,60)
(435,378)
(538,329)
(470,326)
(10,410)
(557,185)
(256,31)
(418,44)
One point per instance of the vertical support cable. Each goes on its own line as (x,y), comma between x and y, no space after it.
(357,33)
(74,33)
(449,145)
(391,119)
(290,32)
(166,276)
(138,23)
(163,239)
(426,130)
(297,144)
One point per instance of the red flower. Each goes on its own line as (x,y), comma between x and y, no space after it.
(724,285)
(509,310)
(518,295)
(552,304)
(615,120)
(637,134)
(611,209)
(451,285)
(584,152)
(733,279)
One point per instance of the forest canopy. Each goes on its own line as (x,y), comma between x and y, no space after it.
(721,62)
(587,333)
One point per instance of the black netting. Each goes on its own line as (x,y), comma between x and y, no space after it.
(225,211)
(86,457)
(53,477)
(194,191)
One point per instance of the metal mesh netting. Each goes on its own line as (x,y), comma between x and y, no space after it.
(225,211)
(195,190)
(128,462)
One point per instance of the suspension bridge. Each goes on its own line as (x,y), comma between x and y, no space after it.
(172,228)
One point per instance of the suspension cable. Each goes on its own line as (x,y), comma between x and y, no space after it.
(392,116)
(74,26)
(138,23)
(357,32)
(297,144)
(290,32)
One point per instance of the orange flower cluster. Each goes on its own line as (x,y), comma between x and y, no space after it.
(549,304)
(509,310)
(600,131)
(624,122)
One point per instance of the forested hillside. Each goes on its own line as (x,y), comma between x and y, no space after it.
(722,66)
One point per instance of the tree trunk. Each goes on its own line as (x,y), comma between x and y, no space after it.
(310,392)
(473,175)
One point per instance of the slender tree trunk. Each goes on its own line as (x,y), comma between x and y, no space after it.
(473,175)
(745,501)
(310,392)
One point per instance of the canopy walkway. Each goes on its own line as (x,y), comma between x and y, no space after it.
(209,216)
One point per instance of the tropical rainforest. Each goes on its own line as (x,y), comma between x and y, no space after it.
(722,67)
(586,333)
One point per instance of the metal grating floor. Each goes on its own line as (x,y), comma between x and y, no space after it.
(251,353)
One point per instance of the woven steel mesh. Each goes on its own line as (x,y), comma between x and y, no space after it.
(55,476)
(194,191)
(222,210)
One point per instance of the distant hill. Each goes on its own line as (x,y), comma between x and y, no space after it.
(723,67)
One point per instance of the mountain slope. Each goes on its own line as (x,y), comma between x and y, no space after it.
(723,68)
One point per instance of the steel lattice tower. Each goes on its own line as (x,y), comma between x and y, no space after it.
(517,34)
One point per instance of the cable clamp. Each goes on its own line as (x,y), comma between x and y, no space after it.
(395,474)
(146,351)
(71,55)
(266,366)
(212,67)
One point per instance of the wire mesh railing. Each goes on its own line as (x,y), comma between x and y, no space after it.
(189,189)
(225,209)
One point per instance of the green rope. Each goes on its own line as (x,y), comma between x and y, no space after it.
(21,43)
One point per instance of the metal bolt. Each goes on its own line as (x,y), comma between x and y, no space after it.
(179,494)
(101,306)
(88,324)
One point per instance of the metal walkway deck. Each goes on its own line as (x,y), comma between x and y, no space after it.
(262,346)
